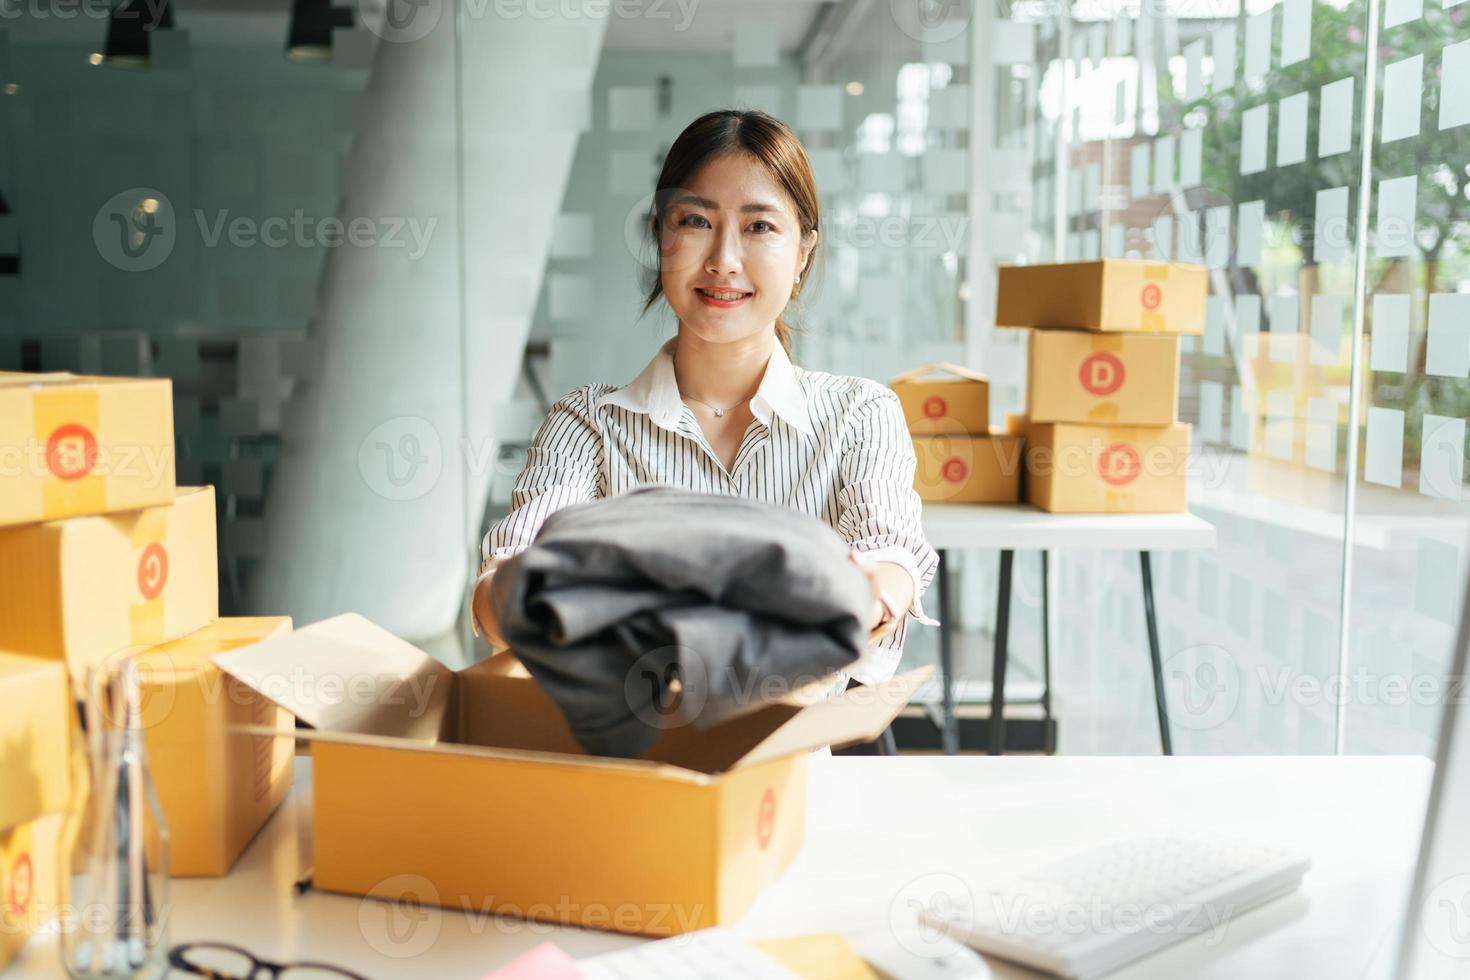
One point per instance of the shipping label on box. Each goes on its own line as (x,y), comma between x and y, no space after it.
(1110,295)
(1107,469)
(217,787)
(36,722)
(681,839)
(73,444)
(1124,379)
(84,588)
(961,469)
(958,403)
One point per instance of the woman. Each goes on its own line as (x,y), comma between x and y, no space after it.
(721,408)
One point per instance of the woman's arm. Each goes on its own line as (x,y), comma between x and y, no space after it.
(562,466)
(881,516)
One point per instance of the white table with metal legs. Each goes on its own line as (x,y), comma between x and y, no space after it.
(1009,528)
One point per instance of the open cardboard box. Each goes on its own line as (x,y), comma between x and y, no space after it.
(467,789)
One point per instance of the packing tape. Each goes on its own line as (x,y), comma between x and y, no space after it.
(149,539)
(1110,342)
(1103,412)
(66,426)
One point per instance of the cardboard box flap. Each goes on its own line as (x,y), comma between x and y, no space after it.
(939,367)
(19,378)
(347,674)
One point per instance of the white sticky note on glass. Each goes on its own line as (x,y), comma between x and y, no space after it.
(1280,420)
(571,236)
(1326,329)
(1163,238)
(1447,351)
(819,107)
(1074,191)
(1330,239)
(1117,240)
(1247,314)
(1393,235)
(1396,12)
(1253,125)
(1454,89)
(1258,44)
(1383,451)
(1296,31)
(1190,245)
(630,172)
(1091,245)
(1437,580)
(1285,314)
(1092,187)
(881,172)
(1335,118)
(1191,153)
(1214,338)
(1120,103)
(1097,44)
(1164,165)
(764,97)
(1403,94)
(1321,434)
(1194,76)
(1138,169)
(755,43)
(1291,130)
(1211,401)
(630,108)
(1251,222)
(1222,50)
(1442,458)
(1217,237)
(570,296)
(946,171)
(829,169)
(1389,341)
(1240,422)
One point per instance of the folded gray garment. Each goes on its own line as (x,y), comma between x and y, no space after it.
(736,598)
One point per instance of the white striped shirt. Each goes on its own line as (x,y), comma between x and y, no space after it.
(830,446)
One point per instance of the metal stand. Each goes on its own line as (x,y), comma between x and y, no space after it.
(1153,651)
(1002,641)
(949,729)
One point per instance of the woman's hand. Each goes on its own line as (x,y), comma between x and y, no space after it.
(893,592)
(483,614)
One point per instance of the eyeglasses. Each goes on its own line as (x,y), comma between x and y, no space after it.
(221,961)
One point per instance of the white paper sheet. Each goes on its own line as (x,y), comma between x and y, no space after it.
(1331,241)
(1258,43)
(708,954)
(1291,130)
(1389,341)
(1383,451)
(1296,31)
(1454,89)
(1442,458)
(1223,44)
(1396,12)
(1447,353)
(1403,93)
(1251,223)
(1393,235)
(1335,118)
(1253,126)
(1191,153)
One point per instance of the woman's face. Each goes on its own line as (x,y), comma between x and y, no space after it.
(730,250)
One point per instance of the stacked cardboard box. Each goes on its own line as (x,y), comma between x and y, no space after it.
(959,458)
(1102,393)
(102,556)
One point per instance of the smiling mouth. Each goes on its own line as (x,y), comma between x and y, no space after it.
(722,296)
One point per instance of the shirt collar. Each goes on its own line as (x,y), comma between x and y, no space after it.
(655,392)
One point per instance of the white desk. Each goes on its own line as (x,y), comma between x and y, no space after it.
(1020,527)
(880,830)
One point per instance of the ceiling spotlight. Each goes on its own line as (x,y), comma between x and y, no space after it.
(854,88)
(312,22)
(130,30)
(95,58)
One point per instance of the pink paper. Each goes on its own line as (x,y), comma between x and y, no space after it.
(545,962)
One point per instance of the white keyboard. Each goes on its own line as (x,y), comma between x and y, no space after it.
(1091,913)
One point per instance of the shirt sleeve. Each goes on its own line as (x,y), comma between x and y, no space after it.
(880,514)
(562,468)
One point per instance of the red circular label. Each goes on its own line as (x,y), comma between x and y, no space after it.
(1151,296)
(22,885)
(765,823)
(954,470)
(934,407)
(152,570)
(71,451)
(1101,373)
(1119,464)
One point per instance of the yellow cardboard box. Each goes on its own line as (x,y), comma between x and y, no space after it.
(1079,469)
(1106,295)
(961,469)
(30,885)
(958,403)
(73,444)
(35,738)
(467,789)
(1117,379)
(217,788)
(83,588)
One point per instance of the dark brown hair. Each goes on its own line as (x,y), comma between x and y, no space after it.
(724,131)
